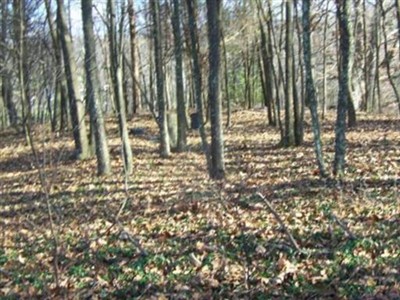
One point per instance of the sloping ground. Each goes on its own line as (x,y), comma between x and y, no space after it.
(180,235)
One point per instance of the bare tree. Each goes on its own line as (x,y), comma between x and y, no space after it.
(162,113)
(117,81)
(75,100)
(134,62)
(340,130)
(5,76)
(217,138)
(289,138)
(93,91)
(180,99)
(310,88)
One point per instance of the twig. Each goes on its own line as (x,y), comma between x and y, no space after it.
(124,233)
(283,226)
(46,191)
(343,226)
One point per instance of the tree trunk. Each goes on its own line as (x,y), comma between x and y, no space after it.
(197,80)
(117,79)
(397,5)
(135,70)
(162,113)
(268,77)
(59,108)
(367,62)
(217,139)
(340,130)
(297,109)
(289,138)
(226,83)
(19,39)
(180,96)
(310,88)
(324,46)
(93,91)
(351,111)
(5,76)
(388,56)
(76,103)
(298,96)
(375,43)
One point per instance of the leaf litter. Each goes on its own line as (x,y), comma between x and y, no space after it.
(204,239)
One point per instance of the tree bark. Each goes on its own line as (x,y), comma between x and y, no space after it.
(180,96)
(351,111)
(388,56)
(93,91)
(268,76)
(340,130)
(289,138)
(76,102)
(19,39)
(118,91)
(165,150)
(5,77)
(217,139)
(197,80)
(310,88)
(397,5)
(135,70)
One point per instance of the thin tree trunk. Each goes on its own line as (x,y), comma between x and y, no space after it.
(180,96)
(19,31)
(388,56)
(93,91)
(226,82)
(324,46)
(376,99)
(217,139)
(310,88)
(135,70)
(289,138)
(397,5)
(299,98)
(117,78)
(197,80)
(5,76)
(162,113)
(76,104)
(297,109)
(268,78)
(367,61)
(351,111)
(340,130)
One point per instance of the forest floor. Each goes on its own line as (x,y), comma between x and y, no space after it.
(180,235)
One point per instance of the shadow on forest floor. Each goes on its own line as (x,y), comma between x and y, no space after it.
(205,239)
